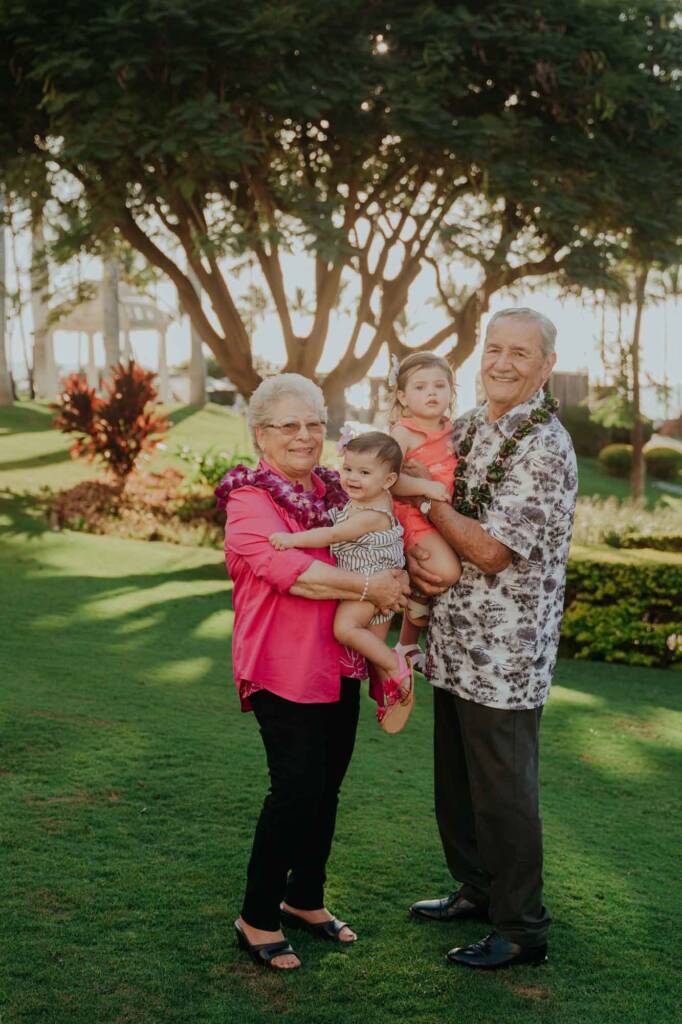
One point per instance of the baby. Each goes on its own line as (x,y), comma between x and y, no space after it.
(365,537)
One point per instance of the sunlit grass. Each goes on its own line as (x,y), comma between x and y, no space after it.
(130,783)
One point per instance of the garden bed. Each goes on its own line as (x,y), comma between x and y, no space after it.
(158,506)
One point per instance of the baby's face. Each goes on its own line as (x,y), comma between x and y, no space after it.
(364,476)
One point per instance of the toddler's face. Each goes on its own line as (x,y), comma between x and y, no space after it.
(427,393)
(364,476)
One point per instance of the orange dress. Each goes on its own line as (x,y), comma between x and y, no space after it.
(436,452)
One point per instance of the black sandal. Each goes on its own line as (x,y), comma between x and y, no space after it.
(264,954)
(323,930)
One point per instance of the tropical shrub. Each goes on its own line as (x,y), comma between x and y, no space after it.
(116,427)
(616,459)
(210,467)
(623,613)
(664,463)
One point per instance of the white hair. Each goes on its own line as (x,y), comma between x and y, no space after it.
(269,392)
(543,323)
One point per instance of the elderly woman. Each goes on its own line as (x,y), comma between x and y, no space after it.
(301,685)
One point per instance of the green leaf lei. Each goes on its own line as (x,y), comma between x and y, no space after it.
(470,504)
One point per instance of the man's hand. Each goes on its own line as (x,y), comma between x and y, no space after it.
(436,491)
(426,580)
(413,468)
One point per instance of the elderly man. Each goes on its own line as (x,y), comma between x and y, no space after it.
(493,638)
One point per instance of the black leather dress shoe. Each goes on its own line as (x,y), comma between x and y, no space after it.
(454,907)
(493,953)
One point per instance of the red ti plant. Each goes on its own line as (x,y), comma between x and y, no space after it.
(116,427)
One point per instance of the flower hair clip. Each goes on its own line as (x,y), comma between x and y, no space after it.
(346,434)
(394,371)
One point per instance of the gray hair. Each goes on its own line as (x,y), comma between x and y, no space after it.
(269,392)
(543,323)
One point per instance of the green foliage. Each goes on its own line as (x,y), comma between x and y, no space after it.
(664,463)
(616,459)
(588,437)
(116,428)
(624,613)
(209,467)
(590,434)
(213,368)
(247,130)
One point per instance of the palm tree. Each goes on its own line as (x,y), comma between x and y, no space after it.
(44,366)
(6,395)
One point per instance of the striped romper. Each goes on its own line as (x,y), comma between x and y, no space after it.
(371,553)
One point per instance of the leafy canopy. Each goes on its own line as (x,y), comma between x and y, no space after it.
(382,139)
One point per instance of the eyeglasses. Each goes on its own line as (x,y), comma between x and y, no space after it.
(293,427)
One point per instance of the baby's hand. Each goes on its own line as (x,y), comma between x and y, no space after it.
(435,490)
(281,541)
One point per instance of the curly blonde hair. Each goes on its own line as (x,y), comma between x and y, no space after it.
(415,361)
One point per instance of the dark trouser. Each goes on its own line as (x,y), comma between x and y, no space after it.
(308,748)
(486,780)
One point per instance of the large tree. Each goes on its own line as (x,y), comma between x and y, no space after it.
(384,139)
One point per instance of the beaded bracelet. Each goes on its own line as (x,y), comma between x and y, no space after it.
(365,588)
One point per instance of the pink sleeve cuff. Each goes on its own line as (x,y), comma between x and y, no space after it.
(285,567)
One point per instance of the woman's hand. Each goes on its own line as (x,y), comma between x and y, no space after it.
(389,590)
(417,566)
(282,541)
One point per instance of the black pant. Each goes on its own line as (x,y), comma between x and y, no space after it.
(487,807)
(308,748)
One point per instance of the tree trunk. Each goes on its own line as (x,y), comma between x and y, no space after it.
(127,347)
(6,394)
(164,384)
(44,367)
(638,465)
(197,363)
(91,370)
(336,410)
(110,317)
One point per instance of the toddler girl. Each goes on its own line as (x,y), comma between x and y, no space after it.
(366,537)
(420,416)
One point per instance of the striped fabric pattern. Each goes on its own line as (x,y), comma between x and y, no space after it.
(371,553)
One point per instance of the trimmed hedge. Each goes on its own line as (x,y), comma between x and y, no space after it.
(657,541)
(664,463)
(616,459)
(622,612)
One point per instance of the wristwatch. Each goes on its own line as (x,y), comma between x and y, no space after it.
(425,507)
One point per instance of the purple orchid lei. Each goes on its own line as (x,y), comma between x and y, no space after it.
(308,508)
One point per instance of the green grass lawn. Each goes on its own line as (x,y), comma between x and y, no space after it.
(593,480)
(130,784)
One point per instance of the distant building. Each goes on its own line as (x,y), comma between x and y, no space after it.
(570,388)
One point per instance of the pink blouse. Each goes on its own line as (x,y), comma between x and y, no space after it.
(280,642)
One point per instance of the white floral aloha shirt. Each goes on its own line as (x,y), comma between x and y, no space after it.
(493,639)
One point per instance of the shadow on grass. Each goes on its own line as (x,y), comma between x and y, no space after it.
(184,412)
(37,461)
(137,783)
(24,418)
(22,515)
